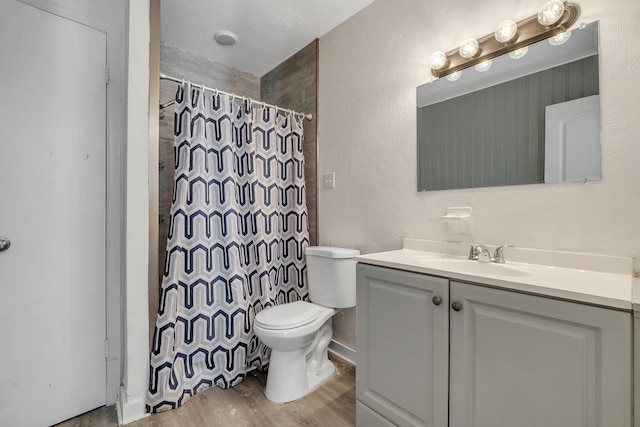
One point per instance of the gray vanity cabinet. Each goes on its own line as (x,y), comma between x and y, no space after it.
(402,346)
(529,361)
(485,357)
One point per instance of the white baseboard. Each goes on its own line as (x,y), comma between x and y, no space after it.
(342,351)
(132,410)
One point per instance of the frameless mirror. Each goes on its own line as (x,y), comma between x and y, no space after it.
(524,121)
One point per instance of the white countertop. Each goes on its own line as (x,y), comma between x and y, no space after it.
(593,279)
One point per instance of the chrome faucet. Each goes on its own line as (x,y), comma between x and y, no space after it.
(498,255)
(480,253)
(472,252)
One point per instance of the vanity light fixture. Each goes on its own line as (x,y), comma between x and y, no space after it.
(550,12)
(454,76)
(484,65)
(554,17)
(438,60)
(560,38)
(519,53)
(469,48)
(506,31)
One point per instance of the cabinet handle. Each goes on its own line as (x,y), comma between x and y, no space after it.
(457,306)
(4,244)
(437,300)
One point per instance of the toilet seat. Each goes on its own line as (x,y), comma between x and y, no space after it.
(287,316)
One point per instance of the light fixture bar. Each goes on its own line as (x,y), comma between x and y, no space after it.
(529,31)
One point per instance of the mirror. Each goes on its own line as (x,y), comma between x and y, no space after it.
(524,121)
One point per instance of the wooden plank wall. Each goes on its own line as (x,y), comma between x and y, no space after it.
(294,85)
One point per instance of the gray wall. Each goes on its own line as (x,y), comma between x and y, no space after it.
(293,84)
(495,136)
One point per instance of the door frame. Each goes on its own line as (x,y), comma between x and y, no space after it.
(104,17)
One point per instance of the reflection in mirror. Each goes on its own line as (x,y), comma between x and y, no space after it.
(524,121)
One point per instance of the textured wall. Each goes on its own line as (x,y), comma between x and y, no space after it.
(294,84)
(369,69)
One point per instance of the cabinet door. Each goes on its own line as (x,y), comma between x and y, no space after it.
(527,361)
(402,346)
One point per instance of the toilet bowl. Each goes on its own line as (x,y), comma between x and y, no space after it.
(299,332)
(299,362)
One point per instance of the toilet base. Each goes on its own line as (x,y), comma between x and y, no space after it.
(289,380)
(316,380)
(294,374)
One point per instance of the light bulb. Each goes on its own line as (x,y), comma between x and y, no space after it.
(519,53)
(506,31)
(484,65)
(550,12)
(438,60)
(469,48)
(560,38)
(454,76)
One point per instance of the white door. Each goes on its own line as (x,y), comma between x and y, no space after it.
(572,140)
(52,209)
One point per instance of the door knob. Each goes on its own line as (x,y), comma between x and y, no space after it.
(4,244)
(457,306)
(437,300)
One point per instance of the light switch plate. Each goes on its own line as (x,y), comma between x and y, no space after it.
(329,180)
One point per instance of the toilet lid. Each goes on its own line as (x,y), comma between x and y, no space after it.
(289,315)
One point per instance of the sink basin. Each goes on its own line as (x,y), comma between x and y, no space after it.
(472,267)
(586,278)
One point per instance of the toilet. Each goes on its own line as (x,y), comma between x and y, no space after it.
(299,333)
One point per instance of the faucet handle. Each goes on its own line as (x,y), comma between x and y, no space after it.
(473,256)
(498,255)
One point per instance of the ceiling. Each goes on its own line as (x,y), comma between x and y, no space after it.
(269,31)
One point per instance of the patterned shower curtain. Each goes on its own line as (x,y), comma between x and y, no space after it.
(236,242)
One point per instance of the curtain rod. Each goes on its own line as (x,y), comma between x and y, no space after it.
(232,95)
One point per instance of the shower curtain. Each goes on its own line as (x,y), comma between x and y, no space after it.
(237,236)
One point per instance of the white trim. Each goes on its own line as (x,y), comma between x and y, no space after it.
(131,411)
(342,351)
(135,379)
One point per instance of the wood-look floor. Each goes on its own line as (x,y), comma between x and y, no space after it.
(333,405)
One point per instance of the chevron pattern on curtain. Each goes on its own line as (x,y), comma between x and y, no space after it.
(237,236)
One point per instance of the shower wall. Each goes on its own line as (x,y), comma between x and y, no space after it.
(294,84)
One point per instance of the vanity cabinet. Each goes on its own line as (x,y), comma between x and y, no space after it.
(485,357)
(402,343)
(529,361)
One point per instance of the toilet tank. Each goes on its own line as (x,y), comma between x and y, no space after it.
(331,276)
